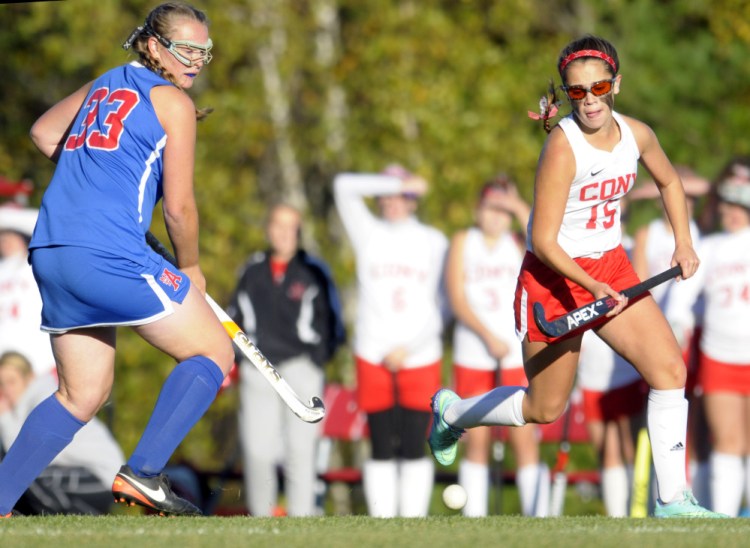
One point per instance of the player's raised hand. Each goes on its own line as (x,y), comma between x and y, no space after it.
(414,184)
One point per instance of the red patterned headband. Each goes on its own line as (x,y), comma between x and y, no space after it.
(588,53)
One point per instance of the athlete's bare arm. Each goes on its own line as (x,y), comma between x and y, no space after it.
(49,132)
(176,113)
(668,181)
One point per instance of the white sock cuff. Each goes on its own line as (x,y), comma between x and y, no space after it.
(666,397)
(468,467)
(517,400)
(721,461)
(501,406)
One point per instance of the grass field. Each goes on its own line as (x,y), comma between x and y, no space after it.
(363,532)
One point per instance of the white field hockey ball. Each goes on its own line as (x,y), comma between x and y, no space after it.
(455,497)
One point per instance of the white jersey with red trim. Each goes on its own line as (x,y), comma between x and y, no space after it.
(401,299)
(21,315)
(591,222)
(490,278)
(724,281)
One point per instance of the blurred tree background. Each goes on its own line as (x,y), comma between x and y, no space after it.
(304,89)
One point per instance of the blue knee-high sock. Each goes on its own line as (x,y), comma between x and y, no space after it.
(48,429)
(186,395)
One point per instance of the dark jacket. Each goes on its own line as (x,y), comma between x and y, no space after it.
(300,315)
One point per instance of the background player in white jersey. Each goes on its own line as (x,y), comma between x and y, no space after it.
(397,336)
(121,143)
(652,253)
(724,359)
(481,275)
(20,302)
(574,256)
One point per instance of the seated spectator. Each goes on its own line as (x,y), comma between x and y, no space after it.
(78,480)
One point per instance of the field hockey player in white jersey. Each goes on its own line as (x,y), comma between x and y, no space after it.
(724,354)
(574,256)
(122,143)
(397,335)
(481,275)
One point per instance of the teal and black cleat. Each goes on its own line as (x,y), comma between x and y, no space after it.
(443,437)
(686,507)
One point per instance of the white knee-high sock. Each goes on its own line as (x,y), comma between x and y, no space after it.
(415,482)
(532,481)
(747,480)
(380,483)
(543,487)
(500,406)
(667,428)
(474,477)
(615,491)
(727,483)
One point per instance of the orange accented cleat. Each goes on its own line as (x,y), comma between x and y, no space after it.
(153,493)
(11,514)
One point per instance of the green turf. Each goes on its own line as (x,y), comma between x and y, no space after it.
(361,532)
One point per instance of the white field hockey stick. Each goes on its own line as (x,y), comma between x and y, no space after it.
(313,412)
(559,472)
(591,312)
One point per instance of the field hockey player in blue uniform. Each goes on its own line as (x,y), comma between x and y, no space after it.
(122,143)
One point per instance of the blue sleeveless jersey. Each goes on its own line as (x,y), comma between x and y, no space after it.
(109,175)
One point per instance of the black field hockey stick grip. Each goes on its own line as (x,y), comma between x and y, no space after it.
(589,313)
(154,243)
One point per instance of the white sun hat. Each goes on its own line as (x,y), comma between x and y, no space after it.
(18,219)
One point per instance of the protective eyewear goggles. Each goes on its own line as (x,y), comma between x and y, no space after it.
(597,89)
(187,52)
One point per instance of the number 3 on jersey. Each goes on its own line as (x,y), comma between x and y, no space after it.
(120,103)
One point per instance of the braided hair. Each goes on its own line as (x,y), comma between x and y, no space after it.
(161,21)
(548,107)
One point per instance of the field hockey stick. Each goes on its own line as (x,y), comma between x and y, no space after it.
(314,412)
(591,312)
(559,472)
(641,476)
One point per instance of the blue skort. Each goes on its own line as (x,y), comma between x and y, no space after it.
(83,287)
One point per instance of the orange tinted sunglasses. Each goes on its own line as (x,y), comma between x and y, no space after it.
(597,89)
